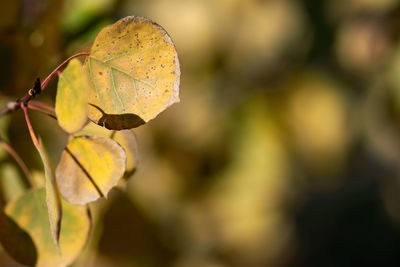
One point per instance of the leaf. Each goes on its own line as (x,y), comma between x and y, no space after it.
(133,72)
(28,215)
(78,14)
(17,242)
(71,99)
(53,198)
(125,138)
(89,167)
(11,183)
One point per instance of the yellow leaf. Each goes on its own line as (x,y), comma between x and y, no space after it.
(133,72)
(71,99)
(25,234)
(53,198)
(89,167)
(125,138)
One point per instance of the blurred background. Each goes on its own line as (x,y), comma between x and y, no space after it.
(284,150)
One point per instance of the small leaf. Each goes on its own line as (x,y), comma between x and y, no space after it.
(53,198)
(89,167)
(25,233)
(133,72)
(11,182)
(71,99)
(17,242)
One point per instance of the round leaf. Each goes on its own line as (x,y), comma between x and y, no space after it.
(125,138)
(134,73)
(71,99)
(89,167)
(29,214)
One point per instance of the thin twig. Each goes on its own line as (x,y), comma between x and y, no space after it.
(42,105)
(37,89)
(30,128)
(10,107)
(54,73)
(19,161)
(45,112)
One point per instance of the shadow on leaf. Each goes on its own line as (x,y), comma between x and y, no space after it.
(87,174)
(16,242)
(118,121)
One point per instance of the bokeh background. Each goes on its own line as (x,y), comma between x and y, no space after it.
(284,150)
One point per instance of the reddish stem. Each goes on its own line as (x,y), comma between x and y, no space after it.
(19,161)
(54,72)
(42,105)
(45,112)
(30,128)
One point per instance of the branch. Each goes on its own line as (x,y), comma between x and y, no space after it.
(37,88)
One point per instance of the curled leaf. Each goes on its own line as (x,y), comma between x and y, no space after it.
(89,167)
(26,236)
(133,72)
(71,98)
(53,198)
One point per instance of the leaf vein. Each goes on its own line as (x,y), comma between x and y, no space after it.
(115,88)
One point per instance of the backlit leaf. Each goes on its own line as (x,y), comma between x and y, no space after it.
(134,73)
(71,99)
(53,198)
(89,167)
(125,138)
(25,232)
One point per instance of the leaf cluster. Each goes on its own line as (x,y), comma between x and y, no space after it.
(131,74)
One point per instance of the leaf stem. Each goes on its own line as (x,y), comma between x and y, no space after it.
(37,89)
(54,72)
(42,105)
(30,128)
(19,161)
(41,110)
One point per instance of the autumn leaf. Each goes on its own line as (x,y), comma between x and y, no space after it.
(53,198)
(133,72)
(71,98)
(26,236)
(89,167)
(125,138)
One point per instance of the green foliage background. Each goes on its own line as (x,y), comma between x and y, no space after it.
(284,150)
